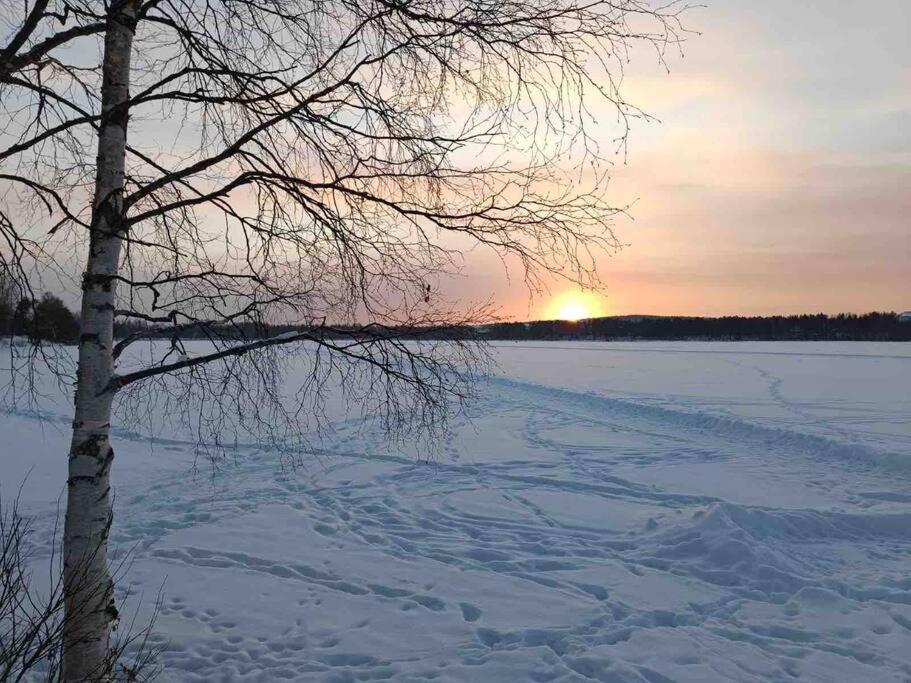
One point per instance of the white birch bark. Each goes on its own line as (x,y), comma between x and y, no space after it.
(90,608)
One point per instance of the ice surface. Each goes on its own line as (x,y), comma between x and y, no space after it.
(613,512)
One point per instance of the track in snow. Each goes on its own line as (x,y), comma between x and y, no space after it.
(564,535)
(753,592)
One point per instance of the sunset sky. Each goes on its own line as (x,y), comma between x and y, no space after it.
(775,178)
(779,177)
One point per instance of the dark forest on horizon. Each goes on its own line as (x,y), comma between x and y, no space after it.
(886,326)
(49,319)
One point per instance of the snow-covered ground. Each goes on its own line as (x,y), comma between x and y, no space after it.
(614,512)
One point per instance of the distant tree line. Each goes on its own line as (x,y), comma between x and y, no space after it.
(879,326)
(46,318)
(126,329)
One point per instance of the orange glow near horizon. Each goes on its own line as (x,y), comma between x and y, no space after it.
(576,305)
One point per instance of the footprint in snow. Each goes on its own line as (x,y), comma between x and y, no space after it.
(470,613)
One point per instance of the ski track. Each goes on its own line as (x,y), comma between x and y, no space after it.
(757,570)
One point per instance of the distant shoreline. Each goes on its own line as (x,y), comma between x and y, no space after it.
(819,327)
(867,327)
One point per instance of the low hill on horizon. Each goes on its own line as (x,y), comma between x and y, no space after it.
(875,326)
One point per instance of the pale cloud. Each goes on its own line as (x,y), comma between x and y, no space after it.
(778,179)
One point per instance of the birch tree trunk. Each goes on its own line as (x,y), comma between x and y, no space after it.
(90,607)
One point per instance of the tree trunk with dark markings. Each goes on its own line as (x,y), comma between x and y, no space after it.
(90,608)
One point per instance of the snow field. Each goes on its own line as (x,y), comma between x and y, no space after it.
(612,512)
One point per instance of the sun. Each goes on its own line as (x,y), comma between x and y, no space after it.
(575,305)
(573,311)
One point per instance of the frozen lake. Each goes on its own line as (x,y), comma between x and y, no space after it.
(613,512)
